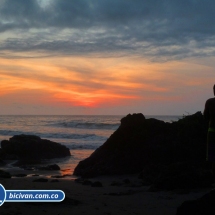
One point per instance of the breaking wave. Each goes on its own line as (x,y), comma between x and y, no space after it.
(87,125)
(52,135)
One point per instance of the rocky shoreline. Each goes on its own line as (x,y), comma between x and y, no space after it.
(167,155)
(30,149)
(163,157)
(170,156)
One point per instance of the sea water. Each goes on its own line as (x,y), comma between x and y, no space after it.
(81,134)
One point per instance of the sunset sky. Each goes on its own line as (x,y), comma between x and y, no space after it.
(156,57)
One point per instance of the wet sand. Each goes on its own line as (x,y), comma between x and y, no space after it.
(126,197)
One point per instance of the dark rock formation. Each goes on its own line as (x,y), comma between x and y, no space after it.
(204,205)
(5,156)
(30,149)
(140,142)
(2,155)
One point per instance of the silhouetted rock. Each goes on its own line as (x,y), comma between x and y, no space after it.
(133,120)
(204,205)
(140,142)
(2,154)
(5,156)
(30,149)
(4,174)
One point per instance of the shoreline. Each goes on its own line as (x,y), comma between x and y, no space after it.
(129,149)
(124,198)
(50,174)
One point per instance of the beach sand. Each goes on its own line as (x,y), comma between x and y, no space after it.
(126,198)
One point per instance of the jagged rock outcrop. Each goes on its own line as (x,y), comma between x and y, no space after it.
(140,142)
(30,149)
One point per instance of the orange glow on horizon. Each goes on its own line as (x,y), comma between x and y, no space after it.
(62,85)
(89,82)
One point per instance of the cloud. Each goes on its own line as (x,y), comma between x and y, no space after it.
(159,30)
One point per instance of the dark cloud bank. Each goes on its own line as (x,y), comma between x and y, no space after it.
(158,29)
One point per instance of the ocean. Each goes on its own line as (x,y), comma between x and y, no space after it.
(81,134)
